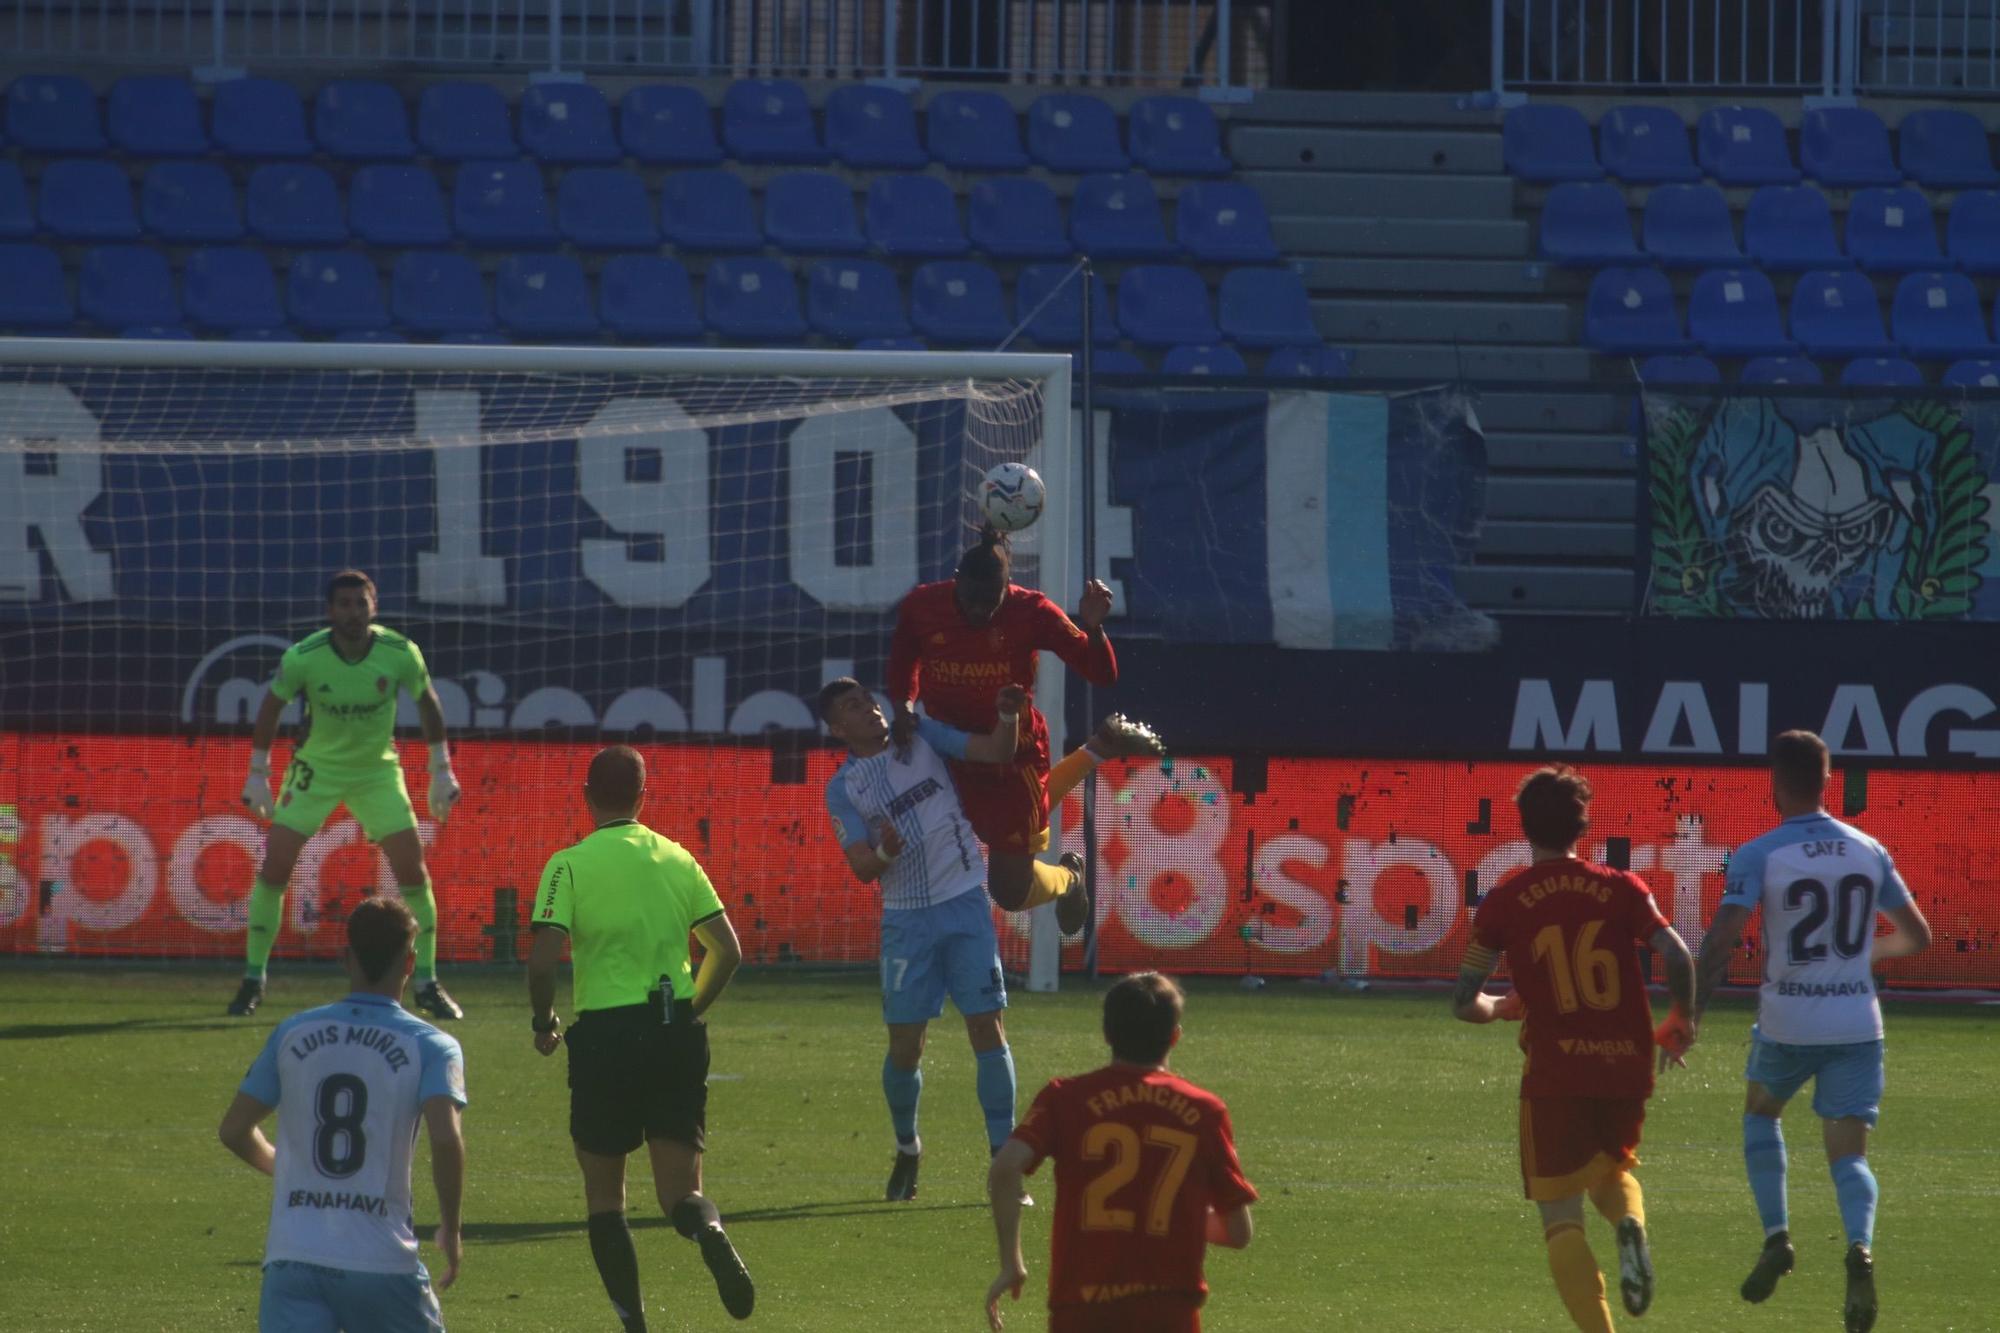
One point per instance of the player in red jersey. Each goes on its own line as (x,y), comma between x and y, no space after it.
(1569,928)
(1146,1180)
(956,643)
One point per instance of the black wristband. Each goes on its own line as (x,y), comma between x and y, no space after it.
(555,1021)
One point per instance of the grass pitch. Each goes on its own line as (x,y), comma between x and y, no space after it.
(1380,1133)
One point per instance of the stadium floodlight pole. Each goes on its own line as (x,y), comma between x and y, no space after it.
(1087,455)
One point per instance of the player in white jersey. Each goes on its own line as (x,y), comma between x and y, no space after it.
(350,1081)
(1820,884)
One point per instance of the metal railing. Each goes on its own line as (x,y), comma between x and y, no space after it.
(1927,46)
(1777,46)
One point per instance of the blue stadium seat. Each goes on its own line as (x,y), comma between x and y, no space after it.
(120,286)
(1678,368)
(190,202)
(1176,136)
(1734,312)
(569,123)
(438,292)
(1884,371)
(295,203)
(155,115)
(1688,226)
(1317,361)
(1835,313)
(1224,222)
(1646,145)
(1016,217)
(648,298)
(891,345)
(1549,142)
(959,303)
(709,210)
(1116,215)
(328,291)
(1266,307)
(874,129)
(501,205)
(974,131)
(53,113)
(34,295)
(1892,231)
(812,213)
(1118,361)
(855,298)
(260,118)
(606,208)
(225,288)
(914,216)
(546,297)
(1587,222)
(1937,317)
(264,335)
(1973,231)
(1847,146)
(459,121)
(768,120)
(1161,306)
(362,121)
(17,217)
(1946,150)
(752,299)
(157,333)
(83,199)
(1791,227)
(1780,370)
(1631,311)
(1075,132)
(1203,359)
(1048,299)
(1974,373)
(395,205)
(667,124)
(1744,145)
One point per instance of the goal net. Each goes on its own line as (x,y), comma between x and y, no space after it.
(671,549)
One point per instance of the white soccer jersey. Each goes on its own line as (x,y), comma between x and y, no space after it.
(349,1081)
(941,857)
(1820,883)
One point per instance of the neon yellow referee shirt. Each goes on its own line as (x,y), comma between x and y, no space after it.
(627,898)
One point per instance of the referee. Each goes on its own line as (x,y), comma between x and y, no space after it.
(627,898)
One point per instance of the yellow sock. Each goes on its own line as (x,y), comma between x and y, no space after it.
(1577,1278)
(1618,1197)
(1050,883)
(1071,770)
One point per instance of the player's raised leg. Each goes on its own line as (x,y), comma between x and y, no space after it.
(1619,1200)
(1117,737)
(677,1179)
(1573,1266)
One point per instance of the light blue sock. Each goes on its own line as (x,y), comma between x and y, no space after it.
(1854,1182)
(996,1094)
(902,1087)
(1764,1159)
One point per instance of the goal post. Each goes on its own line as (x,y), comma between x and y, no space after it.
(669,546)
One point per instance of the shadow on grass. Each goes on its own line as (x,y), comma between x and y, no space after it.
(511,1232)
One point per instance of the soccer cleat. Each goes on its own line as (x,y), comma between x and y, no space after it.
(1772,1264)
(1119,737)
(732,1279)
(1860,1289)
(903,1178)
(248,996)
(1073,908)
(1635,1267)
(431,998)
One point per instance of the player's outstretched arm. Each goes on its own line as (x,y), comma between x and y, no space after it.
(722,954)
(1232,1229)
(1003,1194)
(999,745)
(1082,644)
(1716,944)
(445,790)
(1911,936)
(242,1134)
(1469,1001)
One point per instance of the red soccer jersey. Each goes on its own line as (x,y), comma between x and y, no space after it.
(958,667)
(1141,1157)
(1570,931)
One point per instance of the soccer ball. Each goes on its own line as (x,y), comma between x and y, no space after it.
(1011,496)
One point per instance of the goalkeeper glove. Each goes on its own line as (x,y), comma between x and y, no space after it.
(257,787)
(444,784)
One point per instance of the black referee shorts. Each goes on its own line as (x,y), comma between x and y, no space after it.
(633,1078)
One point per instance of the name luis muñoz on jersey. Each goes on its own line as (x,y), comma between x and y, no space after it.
(941,857)
(1820,883)
(350,707)
(350,1081)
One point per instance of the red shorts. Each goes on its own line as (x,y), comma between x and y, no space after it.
(1007,804)
(1569,1144)
(1166,1313)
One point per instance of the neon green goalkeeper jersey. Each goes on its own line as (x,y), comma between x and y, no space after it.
(350,707)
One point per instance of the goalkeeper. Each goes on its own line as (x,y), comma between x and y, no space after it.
(346,677)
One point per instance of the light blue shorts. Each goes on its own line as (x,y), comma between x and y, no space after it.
(1847,1079)
(311,1298)
(928,951)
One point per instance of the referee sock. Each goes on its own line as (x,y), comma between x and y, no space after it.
(1618,1197)
(423,906)
(1049,883)
(995,1081)
(903,1088)
(1764,1160)
(1070,770)
(618,1266)
(267,913)
(1854,1183)
(1574,1268)
(692,1213)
